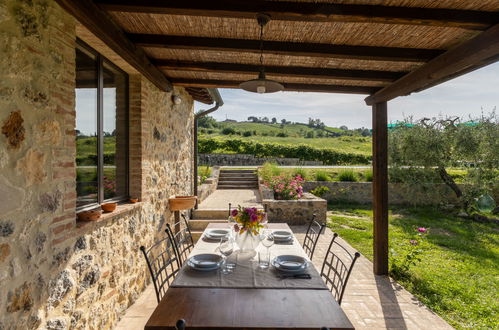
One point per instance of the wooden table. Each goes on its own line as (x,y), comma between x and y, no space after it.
(216,308)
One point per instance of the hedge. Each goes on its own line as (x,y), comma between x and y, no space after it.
(302,152)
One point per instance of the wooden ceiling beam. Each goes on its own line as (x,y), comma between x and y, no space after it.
(470,55)
(287,48)
(305,72)
(295,87)
(310,12)
(99,23)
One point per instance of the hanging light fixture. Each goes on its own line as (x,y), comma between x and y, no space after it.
(262,84)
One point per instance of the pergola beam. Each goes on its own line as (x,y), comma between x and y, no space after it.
(99,23)
(296,87)
(287,48)
(310,12)
(304,72)
(483,49)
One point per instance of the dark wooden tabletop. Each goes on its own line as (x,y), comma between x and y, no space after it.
(216,308)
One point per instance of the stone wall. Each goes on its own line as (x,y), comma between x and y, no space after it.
(56,273)
(361,192)
(296,212)
(209,186)
(249,160)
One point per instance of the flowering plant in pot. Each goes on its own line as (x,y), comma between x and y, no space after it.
(286,188)
(248,223)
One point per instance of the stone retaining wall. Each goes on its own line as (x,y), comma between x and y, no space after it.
(361,192)
(57,273)
(209,185)
(296,212)
(249,160)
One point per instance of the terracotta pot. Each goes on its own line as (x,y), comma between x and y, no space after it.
(178,203)
(91,215)
(108,207)
(134,200)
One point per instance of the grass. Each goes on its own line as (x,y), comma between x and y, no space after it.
(458,276)
(348,176)
(345,144)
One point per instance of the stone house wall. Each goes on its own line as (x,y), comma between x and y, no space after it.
(57,273)
(398,194)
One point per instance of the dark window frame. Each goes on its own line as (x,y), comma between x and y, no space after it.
(100,60)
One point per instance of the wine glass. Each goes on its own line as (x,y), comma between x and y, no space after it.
(226,248)
(267,239)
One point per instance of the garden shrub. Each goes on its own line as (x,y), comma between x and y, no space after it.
(228,131)
(368,176)
(321,175)
(286,188)
(320,191)
(347,176)
(269,170)
(299,172)
(247,133)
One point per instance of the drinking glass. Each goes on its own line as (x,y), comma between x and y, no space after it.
(267,239)
(226,248)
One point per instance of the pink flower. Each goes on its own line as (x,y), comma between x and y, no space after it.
(236,228)
(413,242)
(422,229)
(234,212)
(254,217)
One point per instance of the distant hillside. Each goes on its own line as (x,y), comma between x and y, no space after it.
(341,140)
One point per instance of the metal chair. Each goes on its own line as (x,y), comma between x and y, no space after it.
(314,231)
(180,325)
(335,272)
(181,237)
(163,264)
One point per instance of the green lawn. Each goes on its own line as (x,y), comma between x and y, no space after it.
(346,144)
(458,276)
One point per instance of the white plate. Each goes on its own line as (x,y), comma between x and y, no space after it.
(206,260)
(282,235)
(289,271)
(290,262)
(216,233)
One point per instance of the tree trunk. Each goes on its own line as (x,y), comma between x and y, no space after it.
(448,180)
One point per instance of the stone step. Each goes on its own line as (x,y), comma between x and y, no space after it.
(237,175)
(215,214)
(232,182)
(223,171)
(235,187)
(201,224)
(236,178)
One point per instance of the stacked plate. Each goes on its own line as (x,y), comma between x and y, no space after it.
(216,234)
(205,262)
(290,264)
(282,236)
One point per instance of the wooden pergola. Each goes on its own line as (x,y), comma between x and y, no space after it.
(381,48)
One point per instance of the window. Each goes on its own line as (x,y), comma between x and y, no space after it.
(101,129)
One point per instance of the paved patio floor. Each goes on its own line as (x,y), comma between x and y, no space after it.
(220,199)
(370,302)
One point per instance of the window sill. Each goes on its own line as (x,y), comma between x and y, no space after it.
(121,210)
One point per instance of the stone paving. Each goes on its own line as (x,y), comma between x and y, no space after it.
(220,199)
(370,301)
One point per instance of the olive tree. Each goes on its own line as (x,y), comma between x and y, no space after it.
(420,152)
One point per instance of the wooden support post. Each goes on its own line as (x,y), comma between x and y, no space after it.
(380,188)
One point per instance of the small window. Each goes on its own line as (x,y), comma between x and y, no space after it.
(101,129)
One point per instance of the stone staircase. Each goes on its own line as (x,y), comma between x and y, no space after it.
(237,179)
(201,219)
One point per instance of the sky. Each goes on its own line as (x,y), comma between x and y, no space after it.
(463,96)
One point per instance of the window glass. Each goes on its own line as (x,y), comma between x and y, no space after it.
(86,128)
(115,132)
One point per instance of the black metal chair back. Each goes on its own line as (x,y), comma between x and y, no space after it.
(180,325)
(314,231)
(335,271)
(163,264)
(181,238)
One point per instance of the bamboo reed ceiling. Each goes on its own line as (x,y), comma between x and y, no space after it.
(364,45)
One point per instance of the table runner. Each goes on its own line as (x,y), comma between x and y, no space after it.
(247,274)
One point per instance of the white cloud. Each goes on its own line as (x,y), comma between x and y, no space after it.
(463,96)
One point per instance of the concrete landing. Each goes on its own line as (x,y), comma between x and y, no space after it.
(220,199)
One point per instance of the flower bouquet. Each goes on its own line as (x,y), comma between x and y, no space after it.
(248,222)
